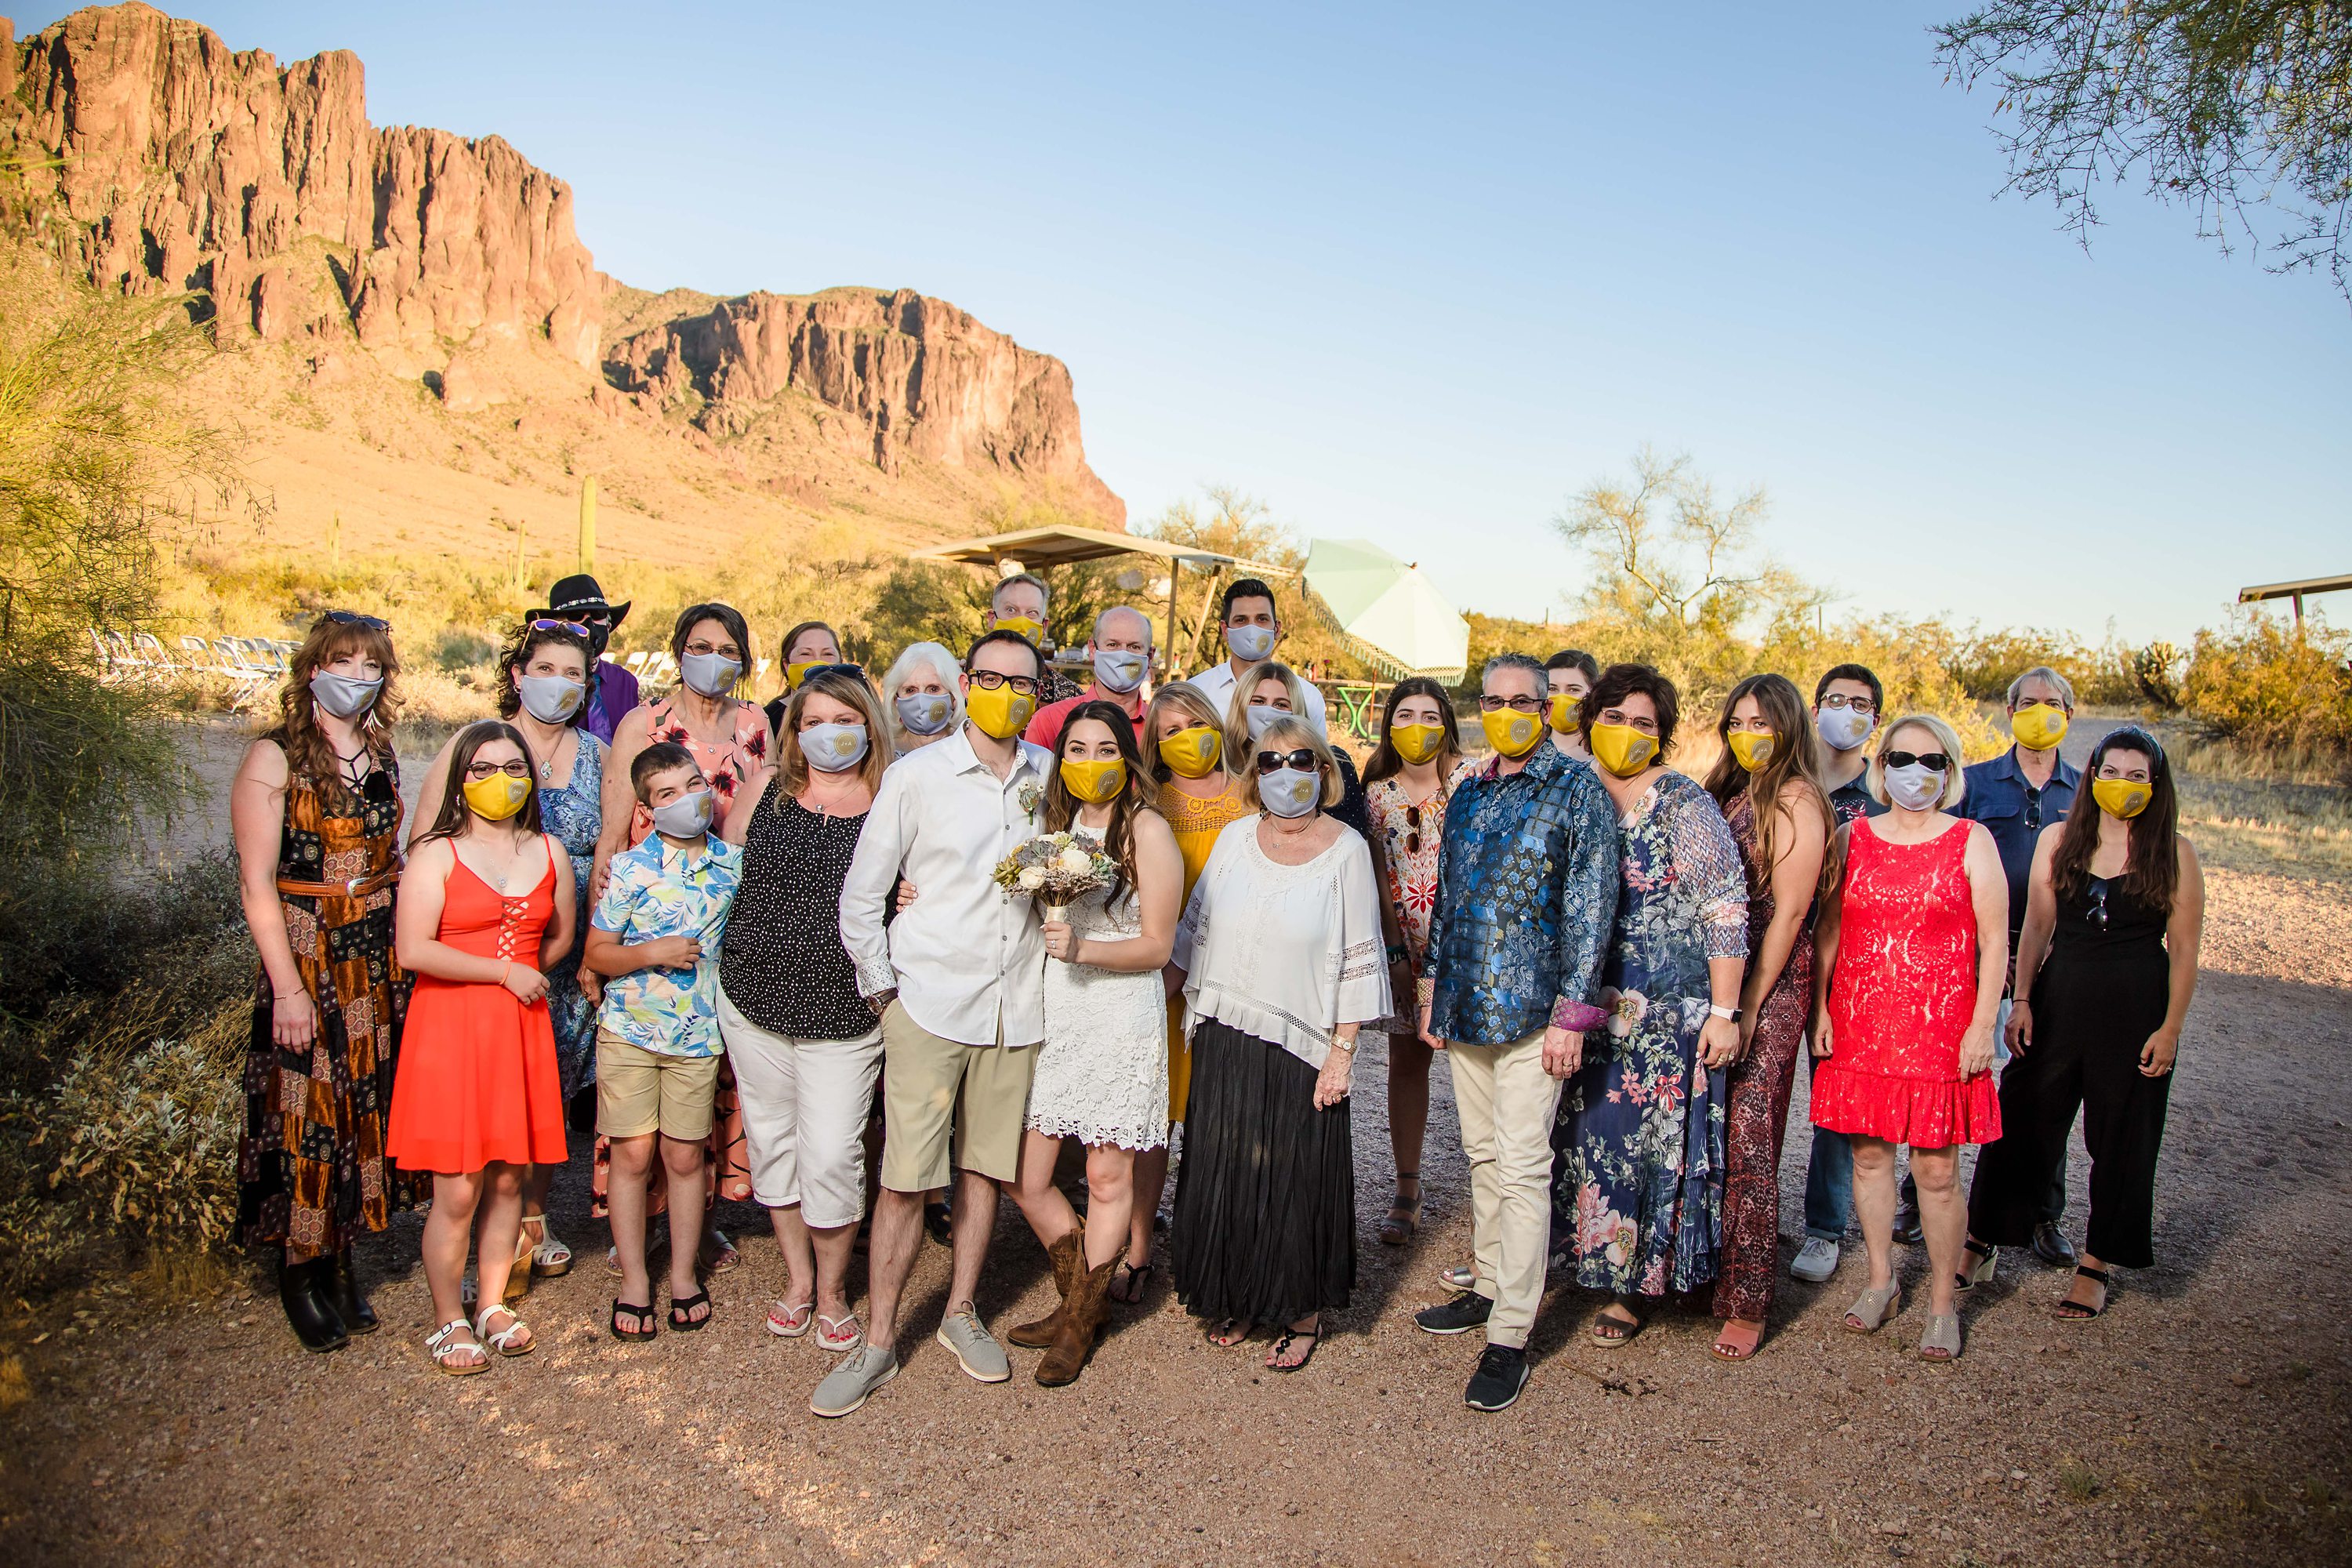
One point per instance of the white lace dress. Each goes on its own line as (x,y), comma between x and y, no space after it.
(1102,1073)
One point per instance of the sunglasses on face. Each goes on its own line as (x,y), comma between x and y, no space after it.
(1934,761)
(1304,760)
(515,769)
(988,680)
(351,618)
(546,623)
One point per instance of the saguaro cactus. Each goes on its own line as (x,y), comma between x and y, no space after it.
(588,524)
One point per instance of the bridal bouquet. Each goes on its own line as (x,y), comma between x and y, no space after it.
(1055,870)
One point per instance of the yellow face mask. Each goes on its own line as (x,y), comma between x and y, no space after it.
(1025,626)
(797,672)
(1512,734)
(1094,780)
(1001,713)
(1564,712)
(1191,754)
(1622,749)
(2038,726)
(1752,747)
(2121,797)
(1416,743)
(497,798)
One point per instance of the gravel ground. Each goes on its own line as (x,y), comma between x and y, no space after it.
(2204,1419)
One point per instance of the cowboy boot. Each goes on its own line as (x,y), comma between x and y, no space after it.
(1081,1318)
(301,1290)
(352,1308)
(1068,1256)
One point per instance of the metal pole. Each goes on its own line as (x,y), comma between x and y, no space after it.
(2298,614)
(1167,648)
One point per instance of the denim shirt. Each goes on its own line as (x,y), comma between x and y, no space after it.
(1526,896)
(2014,813)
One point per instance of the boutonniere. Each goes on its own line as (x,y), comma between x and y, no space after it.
(1029,796)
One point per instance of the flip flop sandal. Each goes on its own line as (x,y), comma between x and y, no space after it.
(1274,1360)
(679,1306)
(2074,1311)
(1225,1335)
(789,1323)
(1128,1289)
(644,1315)
(443,1346)
(840,1335)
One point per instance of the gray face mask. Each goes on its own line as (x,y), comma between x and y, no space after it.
(551,698)
(1119,671)
(1914,788)
(1290,792)
(1842,729)
(1260,718)
(342,695)
(1250,643)
(708,674)
(924,712)
(833,748)
(688,816)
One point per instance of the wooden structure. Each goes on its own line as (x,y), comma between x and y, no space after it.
(2294,591)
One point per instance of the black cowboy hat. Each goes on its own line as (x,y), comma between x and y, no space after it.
(581,591)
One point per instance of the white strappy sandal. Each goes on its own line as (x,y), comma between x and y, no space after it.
(503,1342)
(551,1258)
(443,1346)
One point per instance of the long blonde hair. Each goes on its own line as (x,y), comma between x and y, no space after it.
(1241,752)
(310,755)
(1186,698)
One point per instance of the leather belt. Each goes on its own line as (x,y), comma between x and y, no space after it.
(356,888)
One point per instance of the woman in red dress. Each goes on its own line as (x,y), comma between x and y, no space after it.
(1911,948)
(486,906)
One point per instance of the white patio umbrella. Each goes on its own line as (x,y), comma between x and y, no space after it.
(1393,615)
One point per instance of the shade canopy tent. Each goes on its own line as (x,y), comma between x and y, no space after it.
(2296,591)
(1390,615)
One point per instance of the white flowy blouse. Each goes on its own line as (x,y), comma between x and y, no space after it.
(1287,954)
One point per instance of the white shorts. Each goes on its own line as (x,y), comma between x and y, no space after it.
(806,1105)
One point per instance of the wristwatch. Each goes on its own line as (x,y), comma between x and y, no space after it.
(1728,1015)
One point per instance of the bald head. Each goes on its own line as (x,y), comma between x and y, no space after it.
(1123,628)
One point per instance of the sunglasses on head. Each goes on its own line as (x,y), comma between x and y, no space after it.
(353,618)
(1304,759)
(546,625)
(1934,761)
(854,671)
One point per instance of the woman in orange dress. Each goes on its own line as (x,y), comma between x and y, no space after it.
(486,907)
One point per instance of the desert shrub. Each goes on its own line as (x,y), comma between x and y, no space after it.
(2265,685)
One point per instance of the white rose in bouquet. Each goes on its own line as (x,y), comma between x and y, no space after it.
(1076,862)
(1033,879)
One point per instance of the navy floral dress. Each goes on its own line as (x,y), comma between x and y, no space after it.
(575,814)
(1639,1202)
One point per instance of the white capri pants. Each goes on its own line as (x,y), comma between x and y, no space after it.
(806,1105)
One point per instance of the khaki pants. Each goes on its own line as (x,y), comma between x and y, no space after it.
(1507,1101)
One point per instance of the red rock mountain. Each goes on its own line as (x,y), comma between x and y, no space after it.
(159,160)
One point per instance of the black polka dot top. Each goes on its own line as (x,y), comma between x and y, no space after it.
(783,963)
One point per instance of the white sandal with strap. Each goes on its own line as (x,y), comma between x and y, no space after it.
(551,1258)
(504,1338)
(444,1348)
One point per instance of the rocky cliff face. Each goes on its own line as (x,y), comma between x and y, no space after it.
(158,159)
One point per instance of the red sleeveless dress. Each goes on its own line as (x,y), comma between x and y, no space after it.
(478,1080)
(1905,988)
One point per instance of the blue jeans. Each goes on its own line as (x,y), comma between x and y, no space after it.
(1829,1185)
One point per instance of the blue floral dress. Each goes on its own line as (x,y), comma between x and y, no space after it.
(1639,1200)
(575,814)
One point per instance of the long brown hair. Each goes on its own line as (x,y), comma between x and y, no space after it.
(1385,762)
(2152,863)
(792,762)
(1795,763)
(526,640)
(1140,793)
(450,820)
(308,753)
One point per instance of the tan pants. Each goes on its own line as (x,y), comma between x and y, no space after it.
(1507,1100)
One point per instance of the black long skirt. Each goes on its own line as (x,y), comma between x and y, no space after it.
(1265,1198)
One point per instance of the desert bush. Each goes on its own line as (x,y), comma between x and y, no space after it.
(2265,685)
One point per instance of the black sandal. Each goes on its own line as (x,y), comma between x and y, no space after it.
(2072,1311)
(1274,1357)
(1128,1289)
(679,1324)
(644,1315)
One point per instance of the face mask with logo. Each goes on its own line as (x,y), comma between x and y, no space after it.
(2039,726)
(342,695)
(1191,754)
(1562,711)
(1116,669)
(1512,734)
(1753,748)
(1249,643)
(1915,787)
(497,798)
(1416,743)
(2121,797)
(1095,780)
(1842,728)
(1028,629)
(551,698)
(1622,749)
(1260,718)
(688,816)
(833,748)
(1290,792)
(1000,713)
(708,674)
(924,712)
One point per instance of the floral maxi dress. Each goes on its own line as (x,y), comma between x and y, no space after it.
(574,813)
(1640,1197)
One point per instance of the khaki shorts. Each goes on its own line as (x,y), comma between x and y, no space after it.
(640,1091)
(930,1085)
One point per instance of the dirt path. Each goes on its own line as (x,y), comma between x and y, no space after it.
(2205,1418)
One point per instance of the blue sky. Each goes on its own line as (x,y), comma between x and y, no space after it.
(1416,274)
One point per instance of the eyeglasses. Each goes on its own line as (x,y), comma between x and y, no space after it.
(1934,761)
(1303,759)
(1516,704)
(546,625)
(1838,702)
(516,769)
(724,650)
(2097,914)
(353,618)
(988,680)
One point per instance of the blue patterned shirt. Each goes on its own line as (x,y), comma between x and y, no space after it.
(657,890)
(1526,895)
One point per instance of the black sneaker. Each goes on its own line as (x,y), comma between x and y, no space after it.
(1467,1311)
(1502,1374)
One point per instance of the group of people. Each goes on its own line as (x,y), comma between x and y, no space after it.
(756,937)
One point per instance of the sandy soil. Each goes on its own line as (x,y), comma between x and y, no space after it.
(2204,1419)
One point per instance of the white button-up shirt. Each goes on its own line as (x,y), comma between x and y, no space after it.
(967,961)
(1216,684)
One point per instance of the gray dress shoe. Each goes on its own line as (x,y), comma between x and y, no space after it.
(852,1381)
(975,1347)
